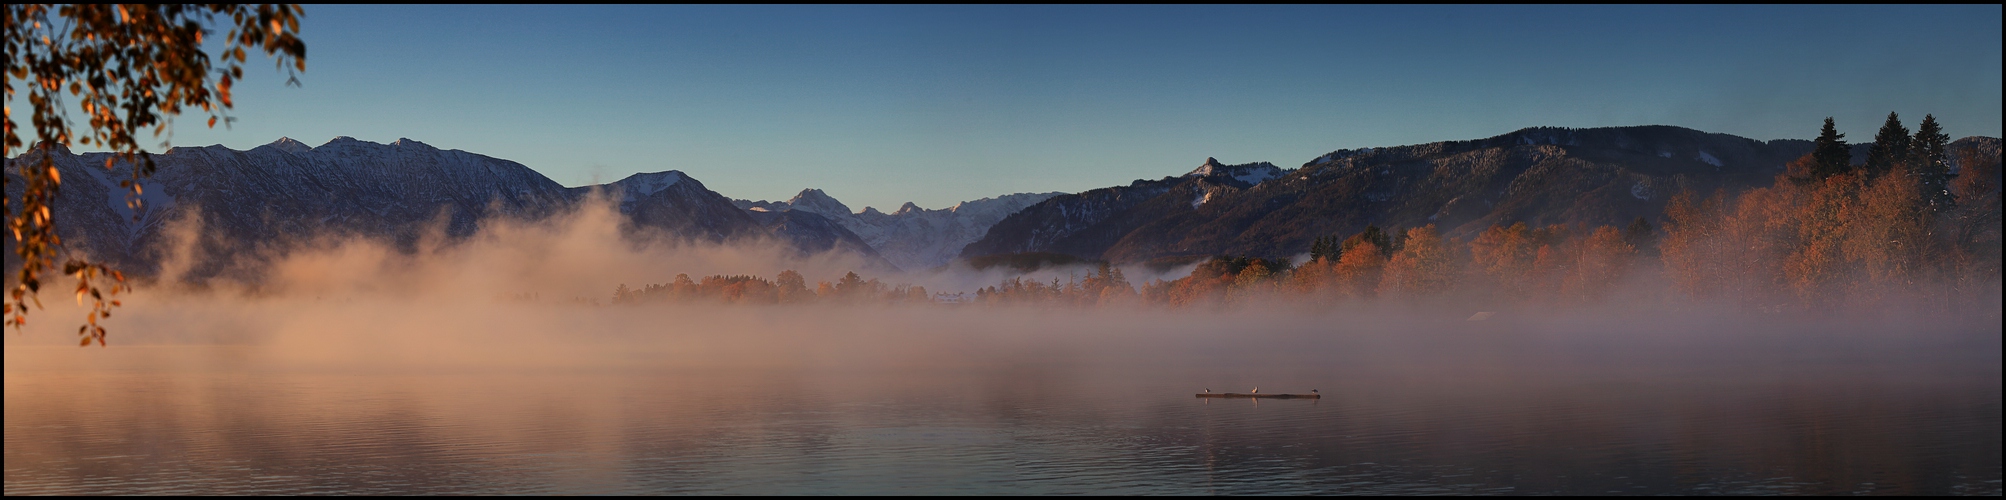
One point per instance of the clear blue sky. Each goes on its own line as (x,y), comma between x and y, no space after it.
(880,105)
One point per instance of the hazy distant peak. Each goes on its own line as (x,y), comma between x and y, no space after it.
(814,200)
(1019,200)
(908,208)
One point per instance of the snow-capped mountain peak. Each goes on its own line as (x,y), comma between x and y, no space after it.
(405,142)
(908,208)
(288,145)
(1248,174)
(345,145)
(640,185)
(814,200)
(1211,166)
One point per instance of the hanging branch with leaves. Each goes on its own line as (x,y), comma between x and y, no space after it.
(131,68)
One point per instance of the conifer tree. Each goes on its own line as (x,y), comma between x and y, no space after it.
(1891,147)
(1326,249)
(1640,234)
(851,284)
(1928,153)
(1372,234)
(1830,153)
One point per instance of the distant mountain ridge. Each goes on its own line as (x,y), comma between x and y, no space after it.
(912,238)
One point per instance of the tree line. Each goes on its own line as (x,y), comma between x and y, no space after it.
(788,287)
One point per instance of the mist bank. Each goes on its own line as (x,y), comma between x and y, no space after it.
(396,386)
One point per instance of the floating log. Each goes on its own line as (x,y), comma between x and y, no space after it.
(1256,395)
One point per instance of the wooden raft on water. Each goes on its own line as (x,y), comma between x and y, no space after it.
(1258,395)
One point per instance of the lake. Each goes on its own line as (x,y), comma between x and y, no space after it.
(946,402)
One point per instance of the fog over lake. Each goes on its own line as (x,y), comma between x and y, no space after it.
(495,366)
(316,397)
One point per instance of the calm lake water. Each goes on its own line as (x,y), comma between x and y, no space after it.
(1458,411)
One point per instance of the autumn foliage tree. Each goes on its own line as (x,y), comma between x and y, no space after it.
(1506,255)
(1601,262)
(131,68)
(1423,266)
(1858,236)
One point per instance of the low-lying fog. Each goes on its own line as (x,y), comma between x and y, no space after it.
(537,294)
(500,366)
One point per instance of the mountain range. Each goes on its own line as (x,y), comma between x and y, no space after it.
(264,201)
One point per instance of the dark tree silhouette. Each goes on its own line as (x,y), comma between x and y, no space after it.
(1929,160)
(1890,149)
(1829,153)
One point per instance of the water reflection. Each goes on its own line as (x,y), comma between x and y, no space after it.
(1453,413)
